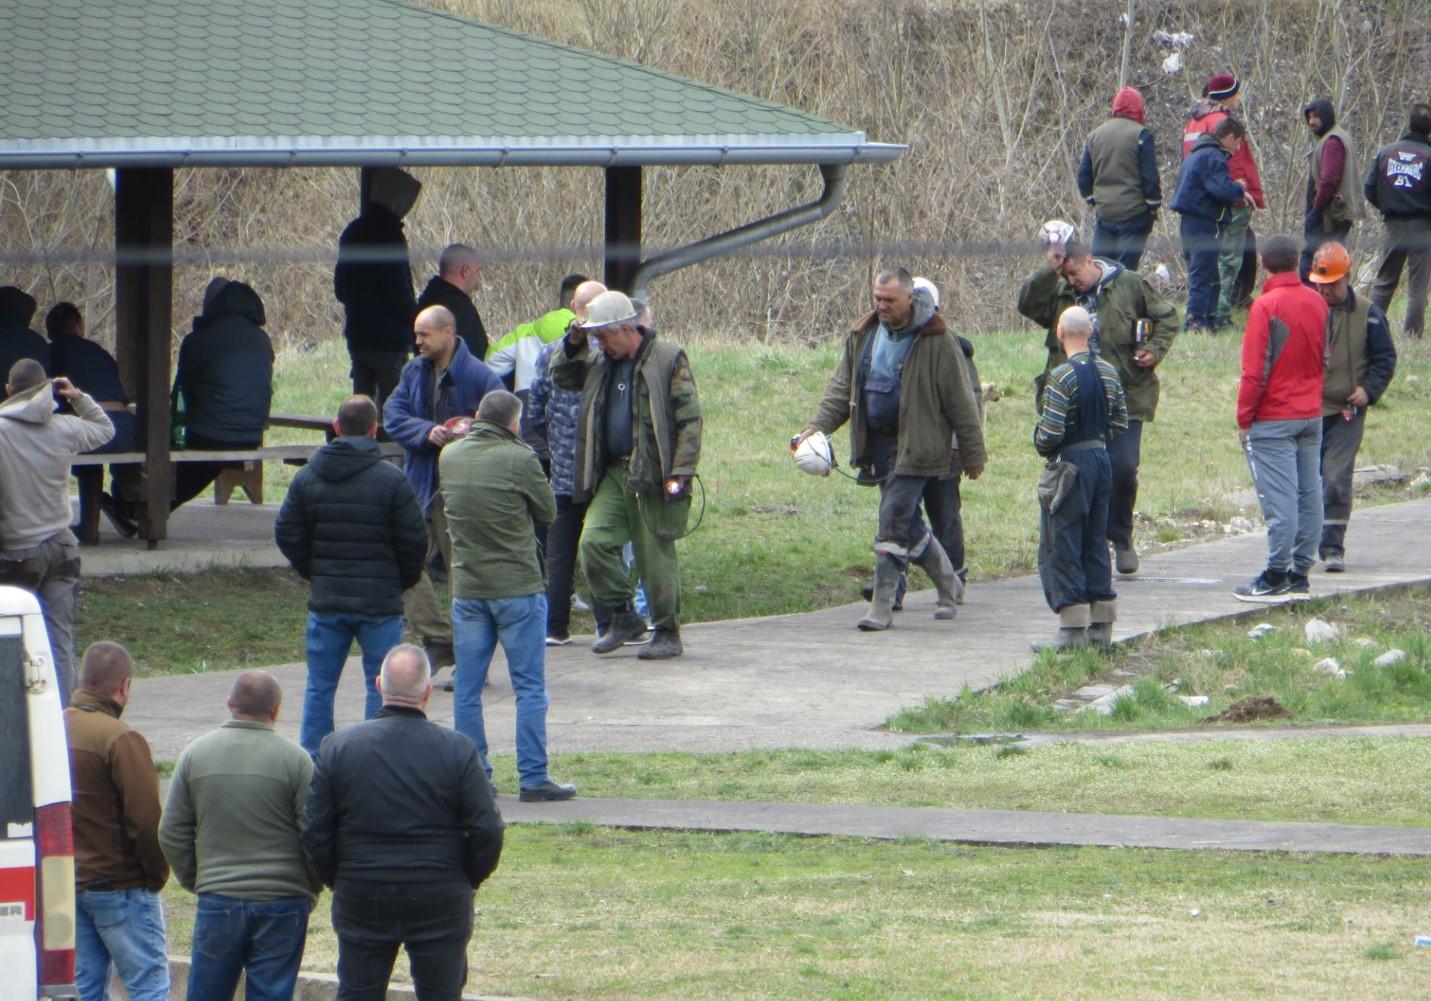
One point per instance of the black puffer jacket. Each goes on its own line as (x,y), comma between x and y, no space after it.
(226,367)
(401,800)
(351,526)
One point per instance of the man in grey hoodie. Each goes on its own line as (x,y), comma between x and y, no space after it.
(38,552)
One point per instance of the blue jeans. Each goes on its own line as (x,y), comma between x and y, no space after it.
(1122,241)
(330,637)
(520,624)
(639,602)
(126,928)
(263,939)
(1202,243)
(1285,458)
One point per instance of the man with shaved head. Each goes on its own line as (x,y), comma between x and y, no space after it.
(445,381)
(458,271)
(401,823)
(119,865)
(351,527)
(230,833)
(1083,408)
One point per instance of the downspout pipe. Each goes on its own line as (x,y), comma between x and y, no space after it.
(836,178)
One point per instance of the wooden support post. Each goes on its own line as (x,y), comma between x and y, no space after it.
(144,309)
(623,226)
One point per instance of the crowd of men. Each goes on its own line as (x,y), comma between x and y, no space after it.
(577,438)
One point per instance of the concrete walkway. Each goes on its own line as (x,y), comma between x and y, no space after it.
(813,680)
(978,827)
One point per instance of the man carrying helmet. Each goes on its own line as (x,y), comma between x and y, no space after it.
(638,440)
(1361,360)
(903,386)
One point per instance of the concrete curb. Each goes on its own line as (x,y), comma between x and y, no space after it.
(977,827)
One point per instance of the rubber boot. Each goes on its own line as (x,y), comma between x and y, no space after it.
(881,613)
(1072,629)
(867,593)
(1101,616)
(935,563)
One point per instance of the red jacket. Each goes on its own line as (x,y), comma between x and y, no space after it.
(1240,167)
(1284,354)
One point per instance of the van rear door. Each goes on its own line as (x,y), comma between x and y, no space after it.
(17,822)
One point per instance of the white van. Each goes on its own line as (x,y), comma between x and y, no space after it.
(37,864)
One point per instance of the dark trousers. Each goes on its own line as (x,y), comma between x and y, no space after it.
(376,373)
(563,535)
(1341,439)
(1408,245)
(192,478)
(432,921)
(1122,241)
(1201,245)
(942,507)
(1317,232)
(1073,560)
(900,522)
(1124,452)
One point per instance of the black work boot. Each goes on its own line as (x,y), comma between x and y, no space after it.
(625,625)
(935,562)
(880,615)
(664,643)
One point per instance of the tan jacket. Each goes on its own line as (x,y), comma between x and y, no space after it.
(116,799)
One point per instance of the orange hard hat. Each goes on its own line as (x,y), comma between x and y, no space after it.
(1331,263)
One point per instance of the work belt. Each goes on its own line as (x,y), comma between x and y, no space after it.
(1081,446)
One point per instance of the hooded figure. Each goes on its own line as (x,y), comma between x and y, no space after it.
(373,281)
(17,340)
(1333,201)
(1119,178)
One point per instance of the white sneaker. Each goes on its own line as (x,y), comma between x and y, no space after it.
(558,641)
(577,605)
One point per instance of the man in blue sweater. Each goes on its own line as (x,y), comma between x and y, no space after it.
(1205,197)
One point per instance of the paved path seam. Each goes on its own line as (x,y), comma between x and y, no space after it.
(976,827)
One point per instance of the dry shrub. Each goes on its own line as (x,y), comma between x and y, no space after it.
(993,98)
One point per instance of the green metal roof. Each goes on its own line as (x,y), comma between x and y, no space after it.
(117,83)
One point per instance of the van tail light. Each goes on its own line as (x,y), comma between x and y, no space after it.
(55,922)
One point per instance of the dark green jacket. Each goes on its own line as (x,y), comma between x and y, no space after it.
(493,489)
(936,402)
(1125,298)
(667,428)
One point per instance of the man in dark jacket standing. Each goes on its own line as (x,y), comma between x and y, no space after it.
(1221,97)
(225,375)
(494,491)
(119,863)
(903,385)
(444,381)
(1333,201)
(1399,185)
(401,823)
(1361,360)
(373,281)
(1133,328)
(352,528)
(1205,197)
(637,446)
(458,271)
(1119,178)
(1279,406)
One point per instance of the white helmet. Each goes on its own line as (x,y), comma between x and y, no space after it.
(1057,232)
(815,456)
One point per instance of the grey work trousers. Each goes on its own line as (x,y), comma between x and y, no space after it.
(50,571)
(1341,439)
(430,624)
(1285,459)
(1408,245)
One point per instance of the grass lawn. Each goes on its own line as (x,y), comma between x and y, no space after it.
(1220,660)
(773,540)
(584,913)
(1344,780)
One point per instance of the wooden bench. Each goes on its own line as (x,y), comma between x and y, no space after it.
(246,472)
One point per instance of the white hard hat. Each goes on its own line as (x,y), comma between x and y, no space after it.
(930,287)
(1056,231)
(815,456)
(607,309)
